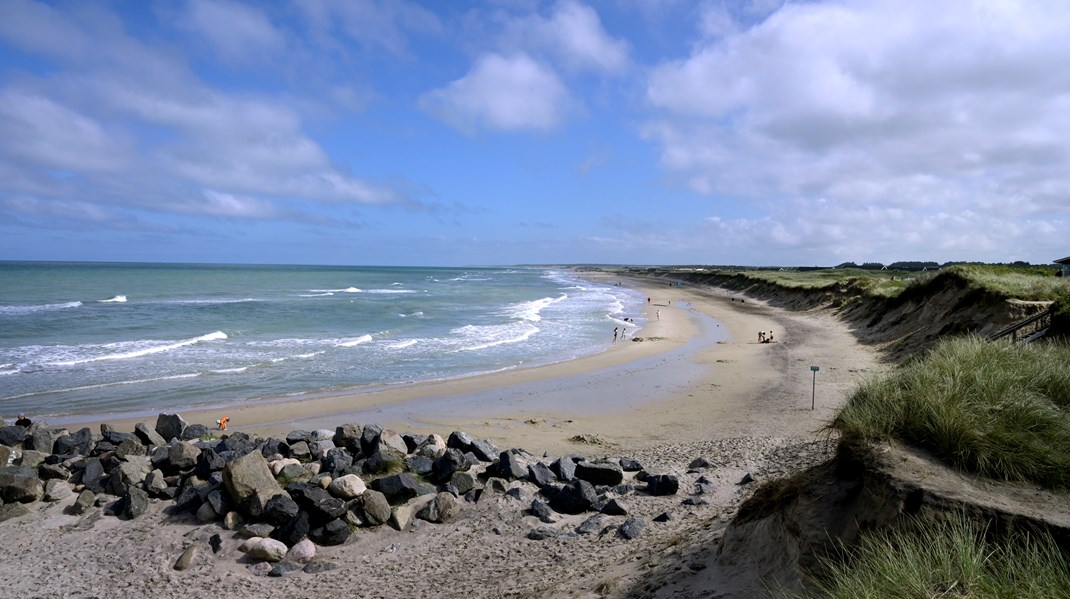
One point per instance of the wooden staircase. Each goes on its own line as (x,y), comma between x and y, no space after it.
(1028,330)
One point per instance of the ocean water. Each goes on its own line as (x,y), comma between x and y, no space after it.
(128,339)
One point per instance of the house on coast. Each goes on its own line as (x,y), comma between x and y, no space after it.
(1065,263)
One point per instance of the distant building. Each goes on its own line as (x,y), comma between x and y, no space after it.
(1065,262)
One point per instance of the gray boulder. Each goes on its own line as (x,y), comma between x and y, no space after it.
(450,462)
(564,468)
(12,436)
(12,510)
(348,435)
(267,550)
(148,436)
(80,443)
(19,485)
(135,503)
(511,466)
(631,528)
(484,450)
(170,426)
(130,447)
(85,500)
(600,473)
(591,525)
(540,474)
(56,490)
(43,439)
(393,440)
(662,484)
(93,475)
(183,455)
(334,532)
(250,483)
(398,488)
(374,507)
(193,432)
(576,497)
(442,508)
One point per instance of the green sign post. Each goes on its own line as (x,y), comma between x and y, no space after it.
(813,396)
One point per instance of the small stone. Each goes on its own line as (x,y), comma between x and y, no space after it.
(283,568)
(232,521)
(319,566)
(631,528)
(614,508)
(696,501)
(86,499)
(347,487)
(542,533)
(268,550)
(747,478)
(215,542)
(250,531)
(663,517)
(260,568)
(592,524)
(186,558)
(699,463)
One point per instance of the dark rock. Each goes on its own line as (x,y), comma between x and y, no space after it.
(385,460)
(398,488)
(540,474)
(80,443)
(662,484)
(542,533)
(706,489)
(208,462)
(632,528)
(463,482)
(420,465)
(215,542)
(663,517)
(43,439)
(298,437)
(369,438)
(696,501)
(614,508)
(318,449)
(102,449)
(170,426)
(275,446)
(319,566)
(299,451)
(542,511)
(12,436)
(699,463)
(85,500)
(392,440)
(135,503)
(412,441)
(623,489)
(238,443)
(336,460)
(461,440)
(53,472)
(130,446)
(334,532)
(747,478)
(12,510)
(630,465)
(484,450)
(575,497)
(375,508)
(280,509)
(19,484)
(600,473)
(161,457)
(219,501)
(450,462)
(258,529)
(590,525)
(294,473)
(348,435)
(182,455)
(194,432)
(517,493)
(319,504)
(564,468)
(148,436)
(293,531)
(510,466)
(283,568)
(442,508)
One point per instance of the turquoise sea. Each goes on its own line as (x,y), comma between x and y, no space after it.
(109,339)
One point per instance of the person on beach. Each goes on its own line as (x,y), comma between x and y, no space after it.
(23,421)
(761,336)
(615,334)
(623,334)
(222,422)
(659,314)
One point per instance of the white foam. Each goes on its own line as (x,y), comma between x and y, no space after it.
(145,351)
(354,342)
(16,310)
(483,337)
(390,291)
(403,344)
(532,311)
(118,299)
(324,294)
(230,370)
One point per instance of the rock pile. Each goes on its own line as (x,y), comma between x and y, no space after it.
(287,495)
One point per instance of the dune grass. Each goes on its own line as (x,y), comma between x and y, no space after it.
(1026,284)
(948,559)
(995,409)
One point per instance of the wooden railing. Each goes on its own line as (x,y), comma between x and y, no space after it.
(1027,330)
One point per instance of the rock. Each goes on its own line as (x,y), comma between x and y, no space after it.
(133,471)
(85,500)
(375,508)
(699,462)
(321,434)
(392,440)
(442,508)
(183,455)
(542,511)
(43,439)
(398,488)
(319,566)
(564,468)
(318,449)
(53,472)
(80,443)
(662,484)
(517,493)
(93,475)
(280,509)
(273,447)
(6,455)
(575,497)
(449,462)
(238,443)
(283,568)
(302,552)
(369,439)
(614,508)
(217,498)
(31,458)
(56,490)
(186,558)
(276,466)
(294,473)
(194,432)
(148,436)
(12,510)
(484,450)
(600,473)
(130,447)
(155,482)
(250,483)
(463,482)
(401,516)
(542,533)
(630,465)
(419,465)
(511,466)
(747,478)
(12,436)
(170,426)
(432,447)
(541,474)
(215,542)
(347,487)
(318,503)
(209,461)
(267,550)
(334,532)
(19,484)
(497,485)
(384,459)
(336,460)
(348,435)
(298,436)
(233,521)
(463,441)
(260,568)
(590,525)
(695,501)
(632,528)
(258,529)
(135,503)
(663,517)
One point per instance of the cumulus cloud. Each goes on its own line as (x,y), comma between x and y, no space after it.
(573,35)
(505,93)
(238,33)
(946,110)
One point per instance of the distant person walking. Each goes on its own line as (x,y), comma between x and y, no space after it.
(615,334)
(659,314)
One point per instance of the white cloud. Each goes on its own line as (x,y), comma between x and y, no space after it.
(948,110)
(572,34)
(238,33)
(506,93)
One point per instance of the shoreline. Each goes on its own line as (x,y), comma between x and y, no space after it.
(697,371)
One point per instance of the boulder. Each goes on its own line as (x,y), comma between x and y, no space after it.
(542,511)
(206,513)
(542,533)
(84,501)
(258,529)
(53,472)
(6,455)
(277,465)
(299,450)
(183,562)
(576,497)
(135,503)
(631,528)
(630,465)
(148,436)
(273,447)
(398,488)
(155,482)
(450,462)
(193,432)
(319,567)
(463,482)
(12,510)
(662,484)
(540,474)
(31,458)
(43,439)
(283,568)
(321,434)
(442,508)
(12,436)
(298,436)
(267,550)
(232,521)
(19,484)
(250,483)
(564,468)
(401,516)
(384,459)
(334,532)
(374,508)
(80,443)
(348,435)
(302,552)
(130,447)
(432,447)
(183,455)
(511,466)
(347,487)
(336,460)
(419,465)
(318,503)
(591,525)
(56,490)
(294,473)
(600,473)
(293,531)
(369,438)
(170,426)
(93,475)
(613,508)
(484,450)
(280,509)
(318,449)
(393,441)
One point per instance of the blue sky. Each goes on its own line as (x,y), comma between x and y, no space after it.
(504,132)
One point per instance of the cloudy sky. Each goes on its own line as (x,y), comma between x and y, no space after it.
(502,132)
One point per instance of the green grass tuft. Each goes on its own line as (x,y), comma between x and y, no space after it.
(948,559)
(995,409)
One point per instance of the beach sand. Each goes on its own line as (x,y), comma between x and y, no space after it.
(698,384)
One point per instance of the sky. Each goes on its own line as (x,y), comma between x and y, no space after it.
(388,132)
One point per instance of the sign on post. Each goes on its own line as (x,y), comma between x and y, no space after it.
(813,396)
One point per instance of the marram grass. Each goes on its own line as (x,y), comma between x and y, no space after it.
(995,409)
(948,559)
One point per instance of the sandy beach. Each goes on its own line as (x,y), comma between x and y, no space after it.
(698,384)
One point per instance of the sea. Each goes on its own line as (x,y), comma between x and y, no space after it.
(131,339)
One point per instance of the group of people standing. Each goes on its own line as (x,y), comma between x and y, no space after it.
(763,338)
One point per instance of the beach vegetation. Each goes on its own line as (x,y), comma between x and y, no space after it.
(995,409)
(951,558)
